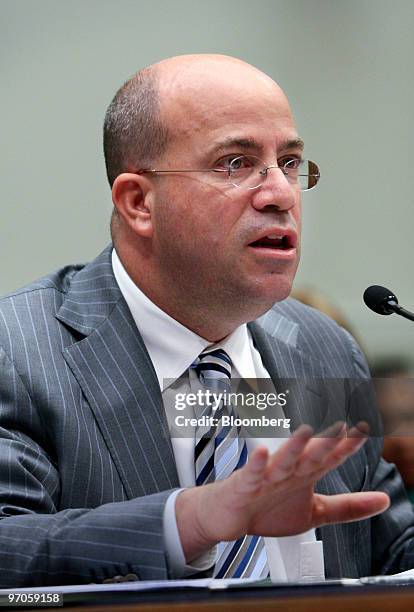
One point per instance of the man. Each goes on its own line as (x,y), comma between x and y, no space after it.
(90,480)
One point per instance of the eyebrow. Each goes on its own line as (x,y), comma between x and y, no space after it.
(294,143)
(252,144)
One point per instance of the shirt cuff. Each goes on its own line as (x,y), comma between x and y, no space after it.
(178,568)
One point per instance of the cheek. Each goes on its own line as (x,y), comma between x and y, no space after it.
(183,233)
(192,218)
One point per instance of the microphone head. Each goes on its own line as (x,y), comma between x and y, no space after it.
(378,298)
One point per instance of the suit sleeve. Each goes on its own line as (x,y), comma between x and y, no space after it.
(392,532)
(42,546)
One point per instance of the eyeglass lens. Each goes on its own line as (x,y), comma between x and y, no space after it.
(249,172)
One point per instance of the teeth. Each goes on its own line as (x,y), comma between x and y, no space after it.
(274,237)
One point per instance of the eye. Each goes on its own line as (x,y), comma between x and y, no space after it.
(291,161)
(235,163)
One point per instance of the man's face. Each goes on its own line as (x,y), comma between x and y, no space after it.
(214,243)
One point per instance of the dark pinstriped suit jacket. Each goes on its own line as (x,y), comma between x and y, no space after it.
(86,463)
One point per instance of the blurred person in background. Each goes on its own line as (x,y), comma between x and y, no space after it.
(394,385)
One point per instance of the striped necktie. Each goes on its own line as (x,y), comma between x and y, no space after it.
(219,450)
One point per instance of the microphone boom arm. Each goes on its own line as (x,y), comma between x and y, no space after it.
(401,311)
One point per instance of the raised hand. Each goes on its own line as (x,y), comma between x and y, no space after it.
(273,495)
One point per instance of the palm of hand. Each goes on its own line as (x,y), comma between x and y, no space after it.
(274,495)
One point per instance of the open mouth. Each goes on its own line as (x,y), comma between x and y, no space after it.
(274,241)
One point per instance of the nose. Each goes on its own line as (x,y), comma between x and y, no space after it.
(275,191)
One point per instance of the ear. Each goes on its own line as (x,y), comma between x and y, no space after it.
(132,196)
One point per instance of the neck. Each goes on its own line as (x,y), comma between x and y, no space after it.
(204,317)
(188,303)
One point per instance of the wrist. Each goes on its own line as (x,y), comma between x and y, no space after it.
(193,533)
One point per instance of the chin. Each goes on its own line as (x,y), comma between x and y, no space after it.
(275,290)
(260,299)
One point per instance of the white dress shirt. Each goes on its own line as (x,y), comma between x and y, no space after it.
(172,349)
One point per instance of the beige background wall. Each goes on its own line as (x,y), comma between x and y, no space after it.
(345,64)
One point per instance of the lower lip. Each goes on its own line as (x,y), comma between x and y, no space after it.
(275,254)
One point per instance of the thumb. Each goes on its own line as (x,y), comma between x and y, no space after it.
(348,507)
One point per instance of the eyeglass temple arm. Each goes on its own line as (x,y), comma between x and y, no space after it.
(155,171)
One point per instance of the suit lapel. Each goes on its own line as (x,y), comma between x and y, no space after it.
(275,337)
(115,373)
(293,371)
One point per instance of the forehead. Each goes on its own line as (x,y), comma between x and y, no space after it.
(215,101)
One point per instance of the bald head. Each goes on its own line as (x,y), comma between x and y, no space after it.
(194,88)
(153,107)
(192,71)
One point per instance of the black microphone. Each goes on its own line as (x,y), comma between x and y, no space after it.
(384,302)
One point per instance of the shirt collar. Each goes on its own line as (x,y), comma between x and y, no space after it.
(173,347)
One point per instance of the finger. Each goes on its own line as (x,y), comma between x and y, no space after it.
(322,457)
(320,448)
(284,461)
(354,441)
(361,429)
(250,476)
(347,507)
